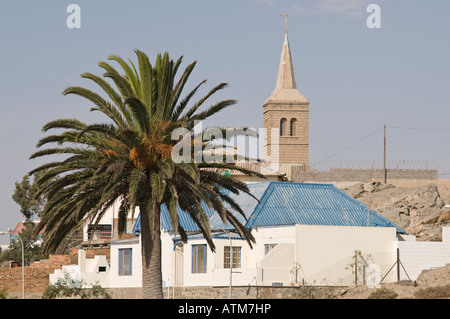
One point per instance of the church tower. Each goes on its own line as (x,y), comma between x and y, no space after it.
(286,113)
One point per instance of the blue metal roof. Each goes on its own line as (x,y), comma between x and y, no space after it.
(285,203)
(184,219)
(313,204)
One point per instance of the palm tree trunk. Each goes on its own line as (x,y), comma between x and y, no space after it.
(151,252)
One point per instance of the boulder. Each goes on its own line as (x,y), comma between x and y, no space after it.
(409,208)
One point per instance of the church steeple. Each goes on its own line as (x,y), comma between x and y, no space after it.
(286,78)
(286,87)
(287,111)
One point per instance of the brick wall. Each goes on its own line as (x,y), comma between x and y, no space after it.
(91,253)
(53,262)
(36,279)
(36,275)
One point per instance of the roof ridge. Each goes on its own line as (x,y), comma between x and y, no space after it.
(371,211)
(259,205)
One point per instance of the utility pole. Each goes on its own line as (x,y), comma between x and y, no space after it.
(23,258)
(385,170)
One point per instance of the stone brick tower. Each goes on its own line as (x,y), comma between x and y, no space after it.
(286,113)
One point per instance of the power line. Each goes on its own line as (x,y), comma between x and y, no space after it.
(347,147)
(419,128)
(373,133)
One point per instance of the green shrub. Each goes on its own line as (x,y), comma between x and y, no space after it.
(67,288)
(3,293)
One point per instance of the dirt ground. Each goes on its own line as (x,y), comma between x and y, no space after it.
(404,289)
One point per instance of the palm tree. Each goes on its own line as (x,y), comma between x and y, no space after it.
(129,158)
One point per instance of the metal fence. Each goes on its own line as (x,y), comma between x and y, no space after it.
(376,164)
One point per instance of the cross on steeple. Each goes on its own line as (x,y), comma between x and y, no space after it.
(285,15)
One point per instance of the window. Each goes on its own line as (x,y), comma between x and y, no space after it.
(236,257)
(198,259)
(130,225)
(283,127)
(294,127)
(125,262)
(99,232)
(268,248)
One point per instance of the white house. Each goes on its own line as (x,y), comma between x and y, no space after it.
(305,234)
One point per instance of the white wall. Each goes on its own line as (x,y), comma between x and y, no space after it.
(167,258)
(135,279)
(320,254)
(276,266)
(323,252)
(249,273)
(108,219)
(271,235)
(89,269)
(197,279)
(417,256)
(85,273)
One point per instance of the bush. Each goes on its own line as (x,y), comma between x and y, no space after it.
(3,293)
(383,293)
(67,288)
(440,292)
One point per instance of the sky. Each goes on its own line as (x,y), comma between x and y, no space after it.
(357,78)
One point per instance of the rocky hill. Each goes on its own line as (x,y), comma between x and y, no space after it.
(419,211)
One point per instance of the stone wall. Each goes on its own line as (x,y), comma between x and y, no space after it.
(248,292)
(363,175)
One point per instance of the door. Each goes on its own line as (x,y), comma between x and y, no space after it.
(178,269)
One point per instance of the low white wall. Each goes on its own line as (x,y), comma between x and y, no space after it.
(417,256)
(324,252)
(277,265)
(87,273)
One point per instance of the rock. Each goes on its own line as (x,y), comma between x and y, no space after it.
(358,190)
(409,208)
(444,218)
